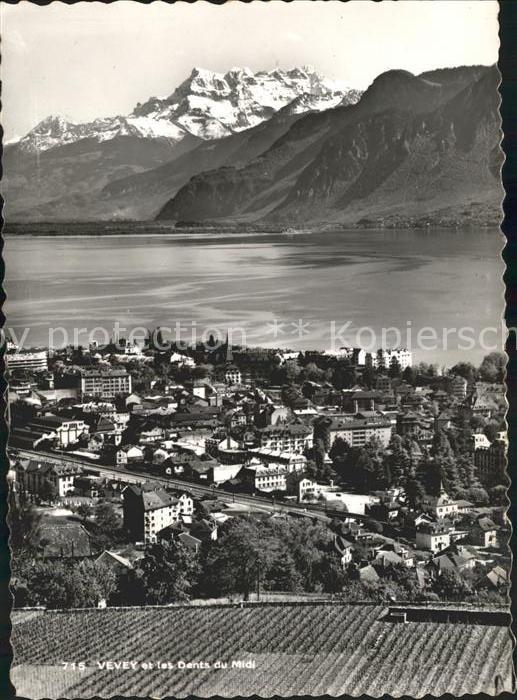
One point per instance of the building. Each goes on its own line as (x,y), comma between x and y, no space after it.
(480,441)
(182,360)
(264,477)
(359,430)
(433,537)
(357,400)
(459,388)
(148,509)
(484,533)
(385,358)
(105,383)
(233,375)
(491,463)
(284,356)
(129,454)
(286,437)
(30,361)
(59,431)
(345,550)
(33,476)
(114,561)
(441,506)
(294,461)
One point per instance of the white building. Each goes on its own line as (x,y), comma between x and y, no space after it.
(432,537)
(386,358)
(31,361)
(182,360)
(233,375)
(105,383)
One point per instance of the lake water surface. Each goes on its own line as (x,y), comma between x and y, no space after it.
(282,291)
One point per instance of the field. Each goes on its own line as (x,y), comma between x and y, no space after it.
(296,649)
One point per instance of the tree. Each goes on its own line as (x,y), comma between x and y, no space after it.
(48,491)
(397,460)
(478,495)
(451,586)
(283,574)
(238,560)
(84,511)
(63,584)
(106,526)
(414,492)
(23,521)
(169,572)
(375,526)
(106,518)
(465,370)
(492,368)
(498,495)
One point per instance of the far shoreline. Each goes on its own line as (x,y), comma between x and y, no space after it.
(109,229)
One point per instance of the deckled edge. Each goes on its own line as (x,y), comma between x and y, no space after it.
(7,689)
(507,21)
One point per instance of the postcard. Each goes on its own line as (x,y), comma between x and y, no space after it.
(255,350)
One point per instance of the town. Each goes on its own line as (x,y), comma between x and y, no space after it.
(142,476)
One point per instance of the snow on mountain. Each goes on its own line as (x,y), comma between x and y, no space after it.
(207,105)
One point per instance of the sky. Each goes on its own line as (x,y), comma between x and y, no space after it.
(91,60)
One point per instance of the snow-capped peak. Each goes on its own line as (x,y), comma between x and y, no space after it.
(207,104)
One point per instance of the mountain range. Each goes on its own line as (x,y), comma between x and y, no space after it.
(280,146)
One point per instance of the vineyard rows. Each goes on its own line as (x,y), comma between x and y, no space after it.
(297,649)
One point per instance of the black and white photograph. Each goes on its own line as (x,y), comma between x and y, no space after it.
(254,347)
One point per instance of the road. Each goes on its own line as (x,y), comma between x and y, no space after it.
(258,503)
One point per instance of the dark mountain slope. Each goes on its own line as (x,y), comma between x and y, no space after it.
(410,147)
(76,169)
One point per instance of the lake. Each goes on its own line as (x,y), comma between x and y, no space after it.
(271,289)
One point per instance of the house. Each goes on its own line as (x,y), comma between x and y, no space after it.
(105,383)
(185,503)
(383,383)
(345,550)
(495,578)
(62,539)
(294,461)
(147,509)
(484,532)
(395,553)
(150,435)
(180,360)
(114,561)
(189,541)
(456,558)
(205,529)
(480,441)
(129,454)
(28,361)
(60,431)
(286,437)
(433,537)
(233,375)
(386,558)
(33,475)
(357,400)
(387,358)
(361,429)
(458,388)
(441,506)
(255,475)
(491,463)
